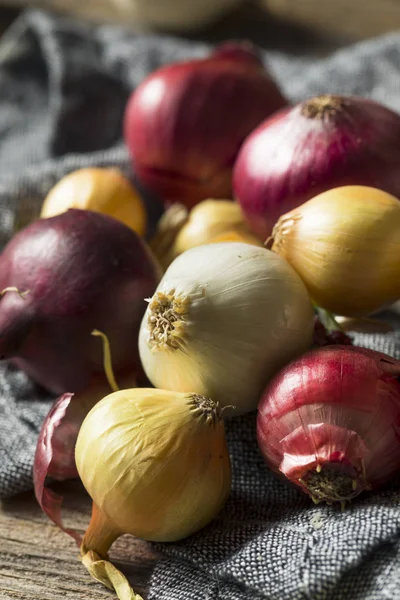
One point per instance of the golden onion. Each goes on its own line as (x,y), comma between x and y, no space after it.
(156,465)
(345,245)
(101,190)
(205,222)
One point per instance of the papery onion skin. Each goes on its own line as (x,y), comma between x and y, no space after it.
(102,190)
(55,450)
(334,411)
(320,144)
(225,317)
(77,272)
(345,245)
(185,123)
(155,463)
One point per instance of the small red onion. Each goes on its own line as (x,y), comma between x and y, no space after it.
(63,277)
(330,422)
(185,123)
(320,144)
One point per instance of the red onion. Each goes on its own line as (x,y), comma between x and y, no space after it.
(330,422)
(320,144)
(186,122)
(63,277)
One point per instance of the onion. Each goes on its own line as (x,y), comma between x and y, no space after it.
(329,422)
(223,320)
(186,122)
(322,143)
(102,190)
(208,222)
(156,465)
(61,278)
(345,245)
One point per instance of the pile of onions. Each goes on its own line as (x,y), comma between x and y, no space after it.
(105,191)
(322,143)
(329,422)
(345,245)
(224,318)
(61,278)
(185,123)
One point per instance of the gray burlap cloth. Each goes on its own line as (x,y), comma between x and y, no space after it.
(63,86)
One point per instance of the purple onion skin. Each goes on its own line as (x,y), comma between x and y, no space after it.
(55,450)
(290,158)
(82,271)
(185,123)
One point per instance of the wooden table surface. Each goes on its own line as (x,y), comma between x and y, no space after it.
(40,562)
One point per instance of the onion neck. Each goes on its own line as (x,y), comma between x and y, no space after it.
(206,408)
(323,107)
(100,534)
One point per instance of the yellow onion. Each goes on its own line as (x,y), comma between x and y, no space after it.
(168,227)
(155,464)
(235,236)
(207,220)
(211,221)
(345,245)
(101,190)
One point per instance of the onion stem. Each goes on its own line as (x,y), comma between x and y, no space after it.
(14,289)
(96,542)
(328,320)
(107,360)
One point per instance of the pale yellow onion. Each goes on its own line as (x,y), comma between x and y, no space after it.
(235,236)
(154,462)
(224,318)
(103,190)
(168,227)
(207,220)
(156,465)
(345,245)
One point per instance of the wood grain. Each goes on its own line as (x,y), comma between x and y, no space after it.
(39,562)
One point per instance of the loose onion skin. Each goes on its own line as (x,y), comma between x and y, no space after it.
(55,450)
(185,123)
(329,422)
(63,277)
(320,144)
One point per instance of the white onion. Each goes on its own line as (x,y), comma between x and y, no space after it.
(224,318)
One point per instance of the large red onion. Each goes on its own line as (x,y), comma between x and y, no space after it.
(330,422)
(185,123)
(320,144)
(63,277)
